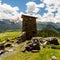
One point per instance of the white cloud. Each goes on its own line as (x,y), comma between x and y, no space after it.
(48,2)
(40,5)
(8,12)
(51,6)
(33,8)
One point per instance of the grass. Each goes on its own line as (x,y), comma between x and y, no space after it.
(44,54)
(59,39)
(9,34)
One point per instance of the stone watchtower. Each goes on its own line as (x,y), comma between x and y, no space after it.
(29,26)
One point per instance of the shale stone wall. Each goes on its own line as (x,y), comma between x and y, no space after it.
(29,26)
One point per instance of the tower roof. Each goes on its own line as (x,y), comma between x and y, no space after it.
(23,16)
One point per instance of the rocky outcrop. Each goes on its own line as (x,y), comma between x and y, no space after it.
(32,45)
(51,40)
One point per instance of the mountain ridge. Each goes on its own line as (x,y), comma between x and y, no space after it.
(6,24)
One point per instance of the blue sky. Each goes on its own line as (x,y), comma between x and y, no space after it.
(46,10)
(22,5)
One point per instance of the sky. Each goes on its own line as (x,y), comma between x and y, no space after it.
(45,10)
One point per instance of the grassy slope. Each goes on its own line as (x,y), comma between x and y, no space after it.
(9,34)
(44,54)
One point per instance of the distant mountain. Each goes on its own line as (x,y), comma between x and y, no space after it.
(6,24)
(48,25)
(48,29)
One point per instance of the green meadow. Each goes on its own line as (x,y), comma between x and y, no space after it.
(44,54)
(9,34)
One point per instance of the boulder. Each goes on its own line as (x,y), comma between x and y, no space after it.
(36,47)
(19,40)
(8,45)
(51,40)
(1,52)
(1,46)
(32,45)
(28,46)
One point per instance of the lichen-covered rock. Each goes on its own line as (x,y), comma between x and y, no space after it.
(51,40)
(32,45)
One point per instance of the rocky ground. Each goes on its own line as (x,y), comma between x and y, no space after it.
(34,45)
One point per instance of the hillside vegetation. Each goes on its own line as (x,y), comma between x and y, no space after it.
(48,33)
(6,24)
(9,34)
(41,33)
(44,54)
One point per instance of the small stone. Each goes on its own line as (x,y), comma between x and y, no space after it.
(10,50)
(53,58)
(8,45)
(1,52)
